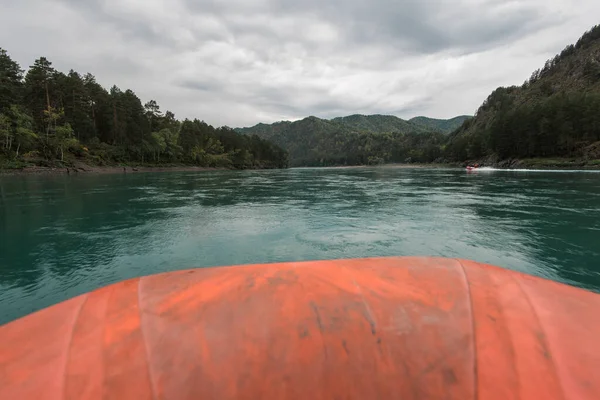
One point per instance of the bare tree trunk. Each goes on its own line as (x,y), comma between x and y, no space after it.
(48,127)
(18,148)
(48,108)
(114,123)
(94,119)
(61,154)
(78,138)
(47,95)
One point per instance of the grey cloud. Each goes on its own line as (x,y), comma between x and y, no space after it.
(359,22)
(111,62)
(416,25)
(411,25)
(200,85)
(95,11)
(132,27)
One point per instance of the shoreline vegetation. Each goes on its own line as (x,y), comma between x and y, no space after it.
(55,120)
(84,170)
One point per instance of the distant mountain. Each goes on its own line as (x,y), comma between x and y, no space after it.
(442,125)
(265,131)
(555,113)
(377,123)
(355,139)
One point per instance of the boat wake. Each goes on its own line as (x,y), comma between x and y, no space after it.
(491,169)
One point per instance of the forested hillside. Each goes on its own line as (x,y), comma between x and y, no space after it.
(442,125)
(51,118)
(353,140)
(377,124)
(555,113)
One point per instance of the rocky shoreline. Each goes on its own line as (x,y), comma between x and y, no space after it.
(540,163)
(80,168)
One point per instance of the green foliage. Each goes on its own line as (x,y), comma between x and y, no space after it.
(591,70)
(12,164)
(63,139)
(51,116)
(16,131)
(5,130)
(560,126)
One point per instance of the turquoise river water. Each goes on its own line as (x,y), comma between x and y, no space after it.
(61,236)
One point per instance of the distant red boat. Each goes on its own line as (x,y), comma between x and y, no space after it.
(471,167)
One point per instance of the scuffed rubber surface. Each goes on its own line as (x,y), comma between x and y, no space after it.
(381,328)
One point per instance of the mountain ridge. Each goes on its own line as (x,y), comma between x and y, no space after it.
(355,139)
(445,125)
(374,122)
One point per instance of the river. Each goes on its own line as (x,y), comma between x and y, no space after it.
(61,236)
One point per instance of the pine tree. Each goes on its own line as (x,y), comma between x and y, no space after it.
(39,82)
(11,82)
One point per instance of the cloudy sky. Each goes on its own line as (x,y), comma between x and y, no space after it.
(239,62)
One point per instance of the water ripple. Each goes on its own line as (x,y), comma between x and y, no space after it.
(63,236)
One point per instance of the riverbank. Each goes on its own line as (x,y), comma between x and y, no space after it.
(539,163)
(421,165)
(83,169)
(391,165)
(533,164)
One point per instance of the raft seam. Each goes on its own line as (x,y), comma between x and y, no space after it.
(103,360)
(414,389)
(475,357)
(372,321)
(144,341)
(70,344)
(546,344)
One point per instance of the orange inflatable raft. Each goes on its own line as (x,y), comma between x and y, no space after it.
(384,328)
